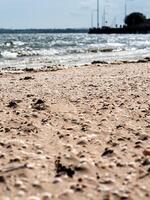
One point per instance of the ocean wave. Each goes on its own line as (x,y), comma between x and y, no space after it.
(115,44)
(27,53)
(59,48)
(63,43)
(76,51)
(14,55)
(11,44)
(9,55)
(18,43)
(48,52)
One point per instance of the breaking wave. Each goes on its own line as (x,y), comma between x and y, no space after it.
(42,49)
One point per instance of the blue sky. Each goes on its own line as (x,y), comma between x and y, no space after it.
(63,13)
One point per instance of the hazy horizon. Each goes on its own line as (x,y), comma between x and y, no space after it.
(28,14)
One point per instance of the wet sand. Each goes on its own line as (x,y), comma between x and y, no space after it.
(79,133)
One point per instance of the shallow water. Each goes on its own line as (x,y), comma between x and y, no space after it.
(38,50)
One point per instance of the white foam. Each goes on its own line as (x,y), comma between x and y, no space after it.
(9,55)
(48,52)
(18,43)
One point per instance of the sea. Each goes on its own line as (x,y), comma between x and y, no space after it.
(41,50)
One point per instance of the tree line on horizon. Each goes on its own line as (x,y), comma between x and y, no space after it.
(34,31)
(136,19)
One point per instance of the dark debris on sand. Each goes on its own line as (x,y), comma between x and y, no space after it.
(62,169)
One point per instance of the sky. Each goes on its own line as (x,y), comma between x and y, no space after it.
(65,13)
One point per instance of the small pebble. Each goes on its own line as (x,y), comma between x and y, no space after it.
(46,196)
(33,198)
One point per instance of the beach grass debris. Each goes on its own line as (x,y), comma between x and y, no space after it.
(107,152)
(12,104)
(26,78)
(13,167)
(62,169)
(98,62)
(38,104)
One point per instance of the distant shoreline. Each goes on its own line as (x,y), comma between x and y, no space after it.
(34,31)
(123,30)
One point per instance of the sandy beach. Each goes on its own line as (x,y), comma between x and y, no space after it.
(76,133)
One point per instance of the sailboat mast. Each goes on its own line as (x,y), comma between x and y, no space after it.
(125,8)
(97,13)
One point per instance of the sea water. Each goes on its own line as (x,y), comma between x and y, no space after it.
(39,50)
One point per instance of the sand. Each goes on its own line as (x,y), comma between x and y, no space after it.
(77,133)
